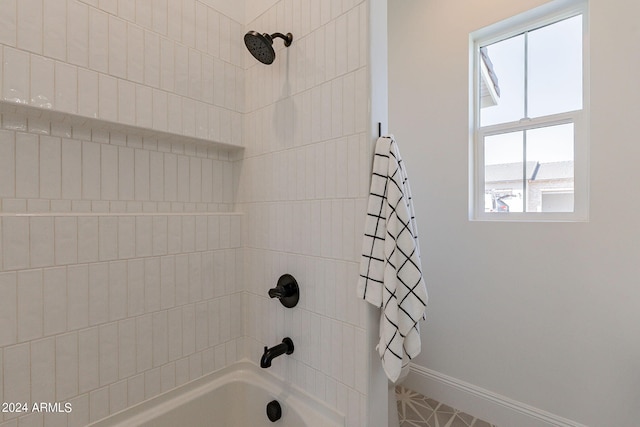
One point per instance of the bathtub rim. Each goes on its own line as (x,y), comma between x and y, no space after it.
(241,371)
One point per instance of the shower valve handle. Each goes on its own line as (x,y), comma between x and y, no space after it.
(287,291)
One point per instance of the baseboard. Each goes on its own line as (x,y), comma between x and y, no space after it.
(487,405)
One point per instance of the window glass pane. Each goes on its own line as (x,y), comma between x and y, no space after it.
(505,62)
(555,68)
(503,172)
(550,188)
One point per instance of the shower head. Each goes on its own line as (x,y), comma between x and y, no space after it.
(261,45)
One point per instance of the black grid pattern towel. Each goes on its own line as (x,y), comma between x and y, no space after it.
(390,269)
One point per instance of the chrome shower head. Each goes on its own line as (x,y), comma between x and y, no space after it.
(261,45)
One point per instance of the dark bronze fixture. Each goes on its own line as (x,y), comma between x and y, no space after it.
(286,290)
(261,45)
(271,353)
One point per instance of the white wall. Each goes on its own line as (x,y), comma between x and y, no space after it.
(543,314)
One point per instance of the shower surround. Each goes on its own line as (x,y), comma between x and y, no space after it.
(155,181)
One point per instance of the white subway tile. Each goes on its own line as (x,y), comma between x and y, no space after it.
(144,236)
(213,32)
(195,179)
(108,238)
(160,110)
(151,59)
(99,404)
(126,348)
(88,239)
(207,275)
(202,120)
(8,309)
(77,33)
(66,240)
(50,167)
(17,373)
(135,277)
(183,179)
(144,349)
(43,368)
(15,79)
(7,163)
(42,82)
(167,65)
(175,333)
(98,293)
(117,47)
(66,366)
(144,106)
(188,330)
(71,169)
(98,41)
(87,93)
(159,11)
(188,233)
(55,300)
(15,241)
(108,359)
(174,114)
(160,336)
(78,297)
(66,87)
(142,174)
(167,282)
(195,277)
(126,237)
(127,10)
(127,102)
(30,305)
(30,25)
(174,20)
(182,371)
(189,23)
(8,19)
(108,172)
(126,174)
(188,117)
(229,86)
(225,38)
(152,278)
(90,170)
(41,241)
(144,14)
(88,360)
(27,167)
(135,389)
(118,290)
(182,279)
(108,98)
(168,376)
(135,53)
(195,74)
(181,70)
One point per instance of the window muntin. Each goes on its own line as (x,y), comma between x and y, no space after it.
(528,142)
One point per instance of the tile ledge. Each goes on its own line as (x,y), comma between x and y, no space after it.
(7,107)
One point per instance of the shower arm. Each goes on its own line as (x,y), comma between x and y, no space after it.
(288,38)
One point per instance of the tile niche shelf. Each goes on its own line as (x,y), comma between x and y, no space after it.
(76,120)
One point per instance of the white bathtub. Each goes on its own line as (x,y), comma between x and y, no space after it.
(232,397)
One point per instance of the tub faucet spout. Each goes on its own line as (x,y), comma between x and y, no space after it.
(271,353)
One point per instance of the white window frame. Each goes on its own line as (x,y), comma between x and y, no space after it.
(548,14)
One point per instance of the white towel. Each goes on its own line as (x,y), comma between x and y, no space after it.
(390,269)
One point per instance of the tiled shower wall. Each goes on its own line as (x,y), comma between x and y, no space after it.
(303,189)
(120,256)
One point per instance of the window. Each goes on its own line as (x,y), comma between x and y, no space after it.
(529,122)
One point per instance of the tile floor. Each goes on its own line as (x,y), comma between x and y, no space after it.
(416,410)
